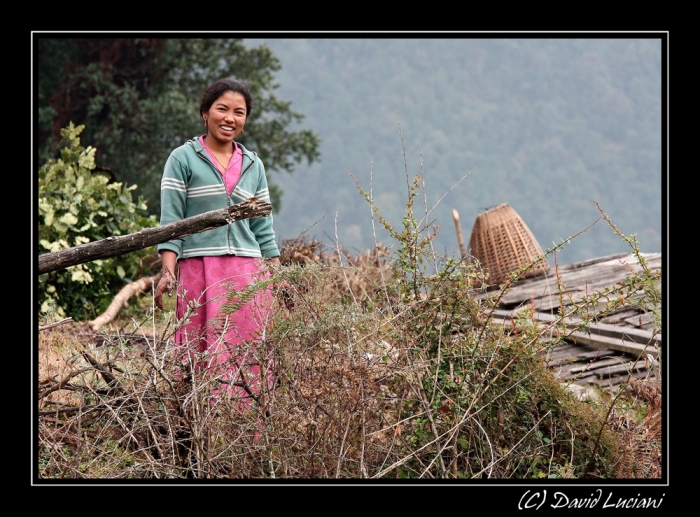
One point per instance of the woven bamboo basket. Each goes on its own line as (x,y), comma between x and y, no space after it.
(502,243)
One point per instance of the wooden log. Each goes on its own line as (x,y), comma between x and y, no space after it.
(123,244)
(122,300)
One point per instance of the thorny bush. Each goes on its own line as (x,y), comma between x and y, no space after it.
(386,365)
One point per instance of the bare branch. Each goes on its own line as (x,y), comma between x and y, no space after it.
(123,244)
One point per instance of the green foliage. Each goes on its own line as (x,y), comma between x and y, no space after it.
(139,98)
(78,204)
(474,380)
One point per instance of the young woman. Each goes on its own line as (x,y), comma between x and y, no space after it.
(210,172)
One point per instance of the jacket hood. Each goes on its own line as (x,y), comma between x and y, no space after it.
(198,147)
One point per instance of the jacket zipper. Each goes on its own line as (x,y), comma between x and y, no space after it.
(221,177)
(228,198)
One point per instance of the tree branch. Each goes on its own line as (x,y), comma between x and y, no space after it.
(123,244)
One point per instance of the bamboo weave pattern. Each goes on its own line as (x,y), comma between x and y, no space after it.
(502,243)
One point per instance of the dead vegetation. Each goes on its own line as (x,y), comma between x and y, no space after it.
(369,383)
(640,454)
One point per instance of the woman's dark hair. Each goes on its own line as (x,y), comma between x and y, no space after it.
(218,88)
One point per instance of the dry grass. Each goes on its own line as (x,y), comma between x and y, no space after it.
(367,385)
(640,448)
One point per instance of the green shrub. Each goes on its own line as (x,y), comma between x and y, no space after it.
(78,204)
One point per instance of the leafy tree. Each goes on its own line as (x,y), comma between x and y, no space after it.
(77,204)
(138,98)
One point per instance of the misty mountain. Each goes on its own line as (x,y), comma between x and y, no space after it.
(548,125)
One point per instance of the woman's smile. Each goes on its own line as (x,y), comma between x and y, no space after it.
(225,119)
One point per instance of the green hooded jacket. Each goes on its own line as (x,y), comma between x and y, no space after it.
(191,185)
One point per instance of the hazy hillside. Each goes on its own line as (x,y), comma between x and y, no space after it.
(549,126)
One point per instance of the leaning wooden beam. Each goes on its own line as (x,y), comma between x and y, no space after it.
(120,301)
(122,244)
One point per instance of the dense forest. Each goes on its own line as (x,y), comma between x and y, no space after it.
(548,125)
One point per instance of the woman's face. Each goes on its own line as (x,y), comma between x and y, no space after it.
(226,117)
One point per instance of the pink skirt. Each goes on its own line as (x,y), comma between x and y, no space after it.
(222,326)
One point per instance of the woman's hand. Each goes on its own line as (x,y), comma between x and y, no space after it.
(273,264)
(167,279)
(283,289)
(166,283)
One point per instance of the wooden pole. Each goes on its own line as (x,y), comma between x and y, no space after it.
(458,227)
(123,244)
